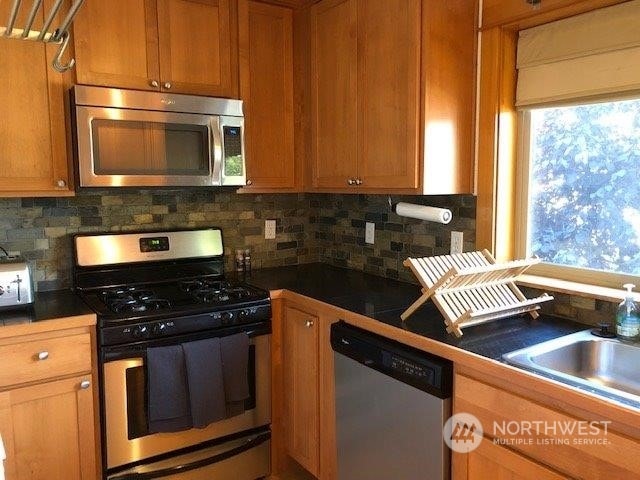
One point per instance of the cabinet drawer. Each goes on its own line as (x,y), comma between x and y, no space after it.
(580,456)
(46,358)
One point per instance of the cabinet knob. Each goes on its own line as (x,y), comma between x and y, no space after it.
(61,183)
(43,355)
(359,182)
(167,85)
(85,384)
(249,182)
(154,83)
(351,181)
(309,323)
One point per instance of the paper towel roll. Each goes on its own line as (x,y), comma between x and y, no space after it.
(422,212)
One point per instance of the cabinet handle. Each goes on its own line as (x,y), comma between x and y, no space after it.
(167,85)
(351,181)
(61,183)
(43,355)
(154,83)
(85,384)
(359,182)
(309,323)
(249,182)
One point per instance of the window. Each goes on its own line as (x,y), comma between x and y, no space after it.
(579,170)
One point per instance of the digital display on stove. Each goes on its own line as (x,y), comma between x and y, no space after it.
(154,244)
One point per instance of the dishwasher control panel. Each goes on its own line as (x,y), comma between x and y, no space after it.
(408,367)
(414,367)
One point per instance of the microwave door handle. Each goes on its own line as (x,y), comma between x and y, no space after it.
(216,139)
(201,463)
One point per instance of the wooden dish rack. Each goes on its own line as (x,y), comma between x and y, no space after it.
(471,288)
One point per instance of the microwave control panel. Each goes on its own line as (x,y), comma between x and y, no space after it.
(232,141)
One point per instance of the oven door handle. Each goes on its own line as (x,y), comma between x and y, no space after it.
(204,462)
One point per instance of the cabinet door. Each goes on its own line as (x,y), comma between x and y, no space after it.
(300,345)
(334,95)
(266,87)
(195,47)
(116,44)
(33,139)
(389,92)
(493,461)
(48,431)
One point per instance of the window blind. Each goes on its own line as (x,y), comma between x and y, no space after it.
(589,55)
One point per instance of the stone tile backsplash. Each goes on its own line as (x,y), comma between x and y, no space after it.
(309,228)
(41,229)
(340,224)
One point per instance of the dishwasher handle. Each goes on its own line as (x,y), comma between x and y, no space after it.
(409,365)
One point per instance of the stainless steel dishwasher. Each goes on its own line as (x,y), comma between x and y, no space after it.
(391,404)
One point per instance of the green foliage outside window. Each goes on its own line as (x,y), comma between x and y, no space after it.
(584,191)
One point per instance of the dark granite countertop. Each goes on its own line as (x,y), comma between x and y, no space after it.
(385,299)
(47,306)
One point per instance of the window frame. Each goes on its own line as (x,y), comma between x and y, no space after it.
(521,224)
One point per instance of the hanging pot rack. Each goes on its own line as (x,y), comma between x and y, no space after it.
(59,35)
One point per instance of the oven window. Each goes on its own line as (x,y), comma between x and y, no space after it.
(124,147)
(137,389)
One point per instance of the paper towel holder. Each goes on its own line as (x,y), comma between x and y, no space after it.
(435,214)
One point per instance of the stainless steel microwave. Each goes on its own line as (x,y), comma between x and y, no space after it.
(127,138)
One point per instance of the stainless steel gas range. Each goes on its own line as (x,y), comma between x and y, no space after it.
(160,297)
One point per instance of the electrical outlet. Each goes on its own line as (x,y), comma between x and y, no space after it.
(457,239)
(369,233)
(269,229)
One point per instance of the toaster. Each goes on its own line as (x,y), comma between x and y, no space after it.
(16,283)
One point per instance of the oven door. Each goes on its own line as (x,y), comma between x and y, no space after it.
(124,399)
(117,147)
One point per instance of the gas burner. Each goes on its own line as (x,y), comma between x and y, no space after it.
(132,300)
(206,296)
(204,285)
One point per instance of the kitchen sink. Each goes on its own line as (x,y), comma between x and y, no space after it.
(601,365)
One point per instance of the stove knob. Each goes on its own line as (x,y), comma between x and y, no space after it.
(227,318)
(140,332)
(1,290)
(243,315)
(159,329)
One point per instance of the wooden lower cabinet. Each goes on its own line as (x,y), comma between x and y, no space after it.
(584,446)
(301,383)
(308,395)
(493,461)
(48,427)
(48,430)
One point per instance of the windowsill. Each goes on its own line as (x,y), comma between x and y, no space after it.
(574,288)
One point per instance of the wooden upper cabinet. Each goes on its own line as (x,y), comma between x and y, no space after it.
(334,61)
(117,44)
(389,93)
(393,88)
(182,46)
(33,139)
(195,46)
(266,87)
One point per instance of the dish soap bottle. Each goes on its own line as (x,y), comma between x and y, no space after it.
(628,317)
